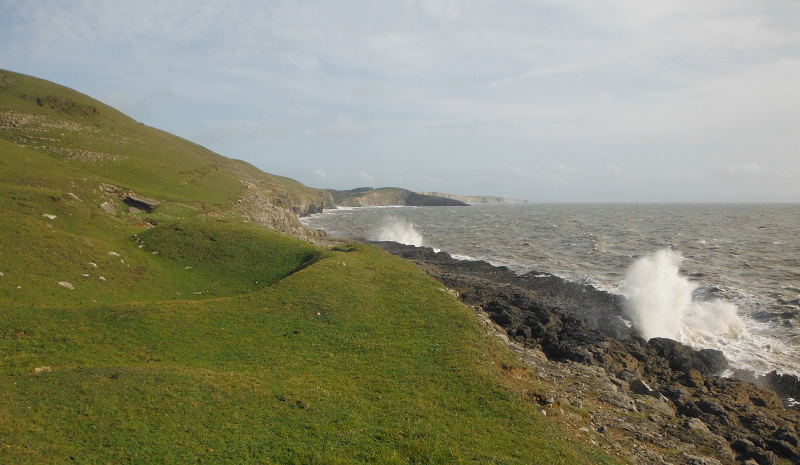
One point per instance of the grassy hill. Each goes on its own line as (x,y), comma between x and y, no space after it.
(192,334)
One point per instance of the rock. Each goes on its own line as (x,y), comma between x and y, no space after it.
(697,460)
(640,387)
(48,216)
(106,207)
(696,423)
(787,434)
(614,327)
(109,188)
(783,449)
(39,370)
(134,211)
(576,326)
(74,197)
(66,284)
(745,447)
(619,400)
(679,357)
(140,202)
(765,457)
(785,385)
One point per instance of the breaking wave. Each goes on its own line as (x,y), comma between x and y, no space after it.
(400,231)
(661,303)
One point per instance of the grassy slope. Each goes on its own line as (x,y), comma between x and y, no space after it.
(232,344)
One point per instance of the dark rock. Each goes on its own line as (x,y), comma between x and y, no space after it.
(640,387)
(785,433)
(714,360)
(764,457)
(783,449)
(614,328)
(576,323)
(784,385)
(142,203)
(760,424)
(679,357)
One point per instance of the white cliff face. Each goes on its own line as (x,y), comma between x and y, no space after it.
(475,199)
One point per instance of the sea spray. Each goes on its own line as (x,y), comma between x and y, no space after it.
(660,303)
(400,231)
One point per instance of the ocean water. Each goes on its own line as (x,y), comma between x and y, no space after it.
(713,276)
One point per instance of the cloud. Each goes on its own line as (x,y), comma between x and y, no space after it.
(745,168)
(564,169)
(345,127)
(366,176)
(325,176)
(655,87)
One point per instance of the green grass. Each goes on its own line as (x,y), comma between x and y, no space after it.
(209,339)
(358,358)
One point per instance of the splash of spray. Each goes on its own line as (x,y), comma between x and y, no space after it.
(400,231)
(660,303)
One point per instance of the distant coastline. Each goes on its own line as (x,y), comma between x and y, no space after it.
(475,199)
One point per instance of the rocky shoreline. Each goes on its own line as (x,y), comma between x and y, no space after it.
(654,402)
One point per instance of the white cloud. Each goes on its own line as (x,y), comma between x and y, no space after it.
(744,168)
(564,169)
(343,127)
(531,84)
(366,176)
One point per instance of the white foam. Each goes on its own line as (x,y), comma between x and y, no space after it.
(660,304)
(400,231)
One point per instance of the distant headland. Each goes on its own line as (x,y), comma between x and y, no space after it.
(475,199)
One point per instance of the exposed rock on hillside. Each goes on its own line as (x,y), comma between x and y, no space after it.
(64,105)
(257,206)
(140,202)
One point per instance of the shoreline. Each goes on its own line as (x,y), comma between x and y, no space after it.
(657,401)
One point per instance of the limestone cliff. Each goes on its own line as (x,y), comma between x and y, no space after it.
(475,199)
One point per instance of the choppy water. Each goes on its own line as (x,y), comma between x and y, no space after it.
(747,256)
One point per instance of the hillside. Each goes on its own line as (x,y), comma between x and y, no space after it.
(389,196)
(101,146)
(147,316)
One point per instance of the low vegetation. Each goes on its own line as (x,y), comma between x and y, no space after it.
(188,335)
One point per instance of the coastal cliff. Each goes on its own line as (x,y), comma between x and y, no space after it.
(475,199)
(389,196)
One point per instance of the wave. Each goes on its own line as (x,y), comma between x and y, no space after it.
(400,231)
(661,304)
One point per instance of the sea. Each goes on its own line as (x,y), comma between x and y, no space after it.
(721,276)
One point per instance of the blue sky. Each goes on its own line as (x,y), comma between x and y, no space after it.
(588,101)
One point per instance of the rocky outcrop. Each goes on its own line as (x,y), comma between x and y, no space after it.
(656,400)
(257,206)
(141,202)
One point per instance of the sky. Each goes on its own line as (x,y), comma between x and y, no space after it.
(549,101)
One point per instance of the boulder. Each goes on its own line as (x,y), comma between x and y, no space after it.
(106,207)
(140,202)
